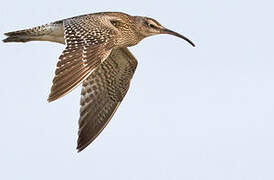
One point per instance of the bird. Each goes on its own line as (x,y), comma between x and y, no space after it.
(96,55)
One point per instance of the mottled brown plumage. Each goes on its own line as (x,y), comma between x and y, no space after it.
(102,92)
(96,55)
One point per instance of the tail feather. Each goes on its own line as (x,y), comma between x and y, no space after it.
(16,33)
(49,32)
(18,36)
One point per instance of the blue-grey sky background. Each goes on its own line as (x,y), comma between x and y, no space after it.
(191,113)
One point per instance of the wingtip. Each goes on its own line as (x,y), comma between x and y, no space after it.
(80,149)
(50,99)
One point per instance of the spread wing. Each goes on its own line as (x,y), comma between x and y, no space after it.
(89,41)
(102,92)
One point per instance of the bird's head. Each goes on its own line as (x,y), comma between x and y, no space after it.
(148,27)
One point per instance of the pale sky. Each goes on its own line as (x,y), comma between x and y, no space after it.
(204,113)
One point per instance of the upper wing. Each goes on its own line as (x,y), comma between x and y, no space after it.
(102,92)
(89,41)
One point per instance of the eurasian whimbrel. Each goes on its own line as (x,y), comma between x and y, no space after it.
(97,56)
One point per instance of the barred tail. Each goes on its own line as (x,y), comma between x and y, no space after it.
(49,32)
(18,36)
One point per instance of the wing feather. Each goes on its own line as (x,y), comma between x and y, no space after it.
(102,92)
(88,43)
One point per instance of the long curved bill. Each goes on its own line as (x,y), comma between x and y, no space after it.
(168,31)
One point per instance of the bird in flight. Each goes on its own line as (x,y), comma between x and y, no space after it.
(97,56)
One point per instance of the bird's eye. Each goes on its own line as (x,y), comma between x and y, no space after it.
(115,23)
(152,26)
